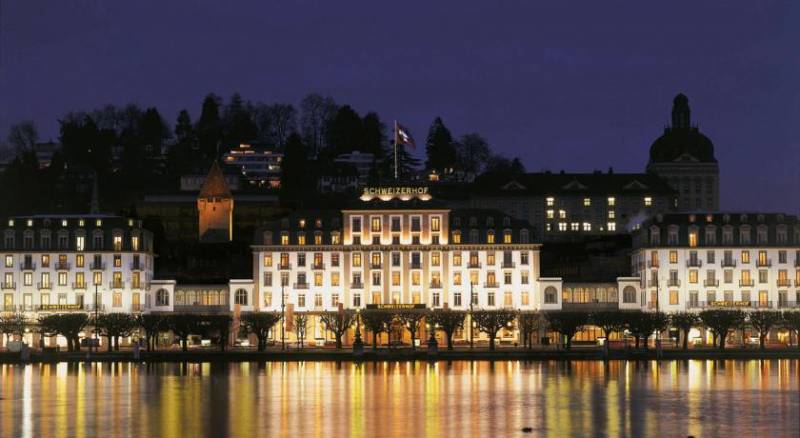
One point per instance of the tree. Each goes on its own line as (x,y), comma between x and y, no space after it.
(13,324)
(684,322)
(643,324)
(113,326)
(209,128)
(215,327)
(763,321)
(472,153)
(68,325)
(346,132)
(567,324)
(182,154)
(296,183)
(238,125)
(791,321)
(300,324)
(499,165)
(260,324)
(182,326)
(23,136)
(722,321)
(491,321)
(374,136)
(316,113)
(406,163)
(439,147)
(448,321)
(275,123)
(377,321)
(152,324)
(411,320)
(608,321)
(338,323)
(528,323)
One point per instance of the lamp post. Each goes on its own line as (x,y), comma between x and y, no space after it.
(358,344)
(96,311)
(283,318)
(471,302)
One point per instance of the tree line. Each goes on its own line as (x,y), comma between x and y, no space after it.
(637,324)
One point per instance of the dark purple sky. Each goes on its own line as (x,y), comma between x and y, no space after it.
(578,87)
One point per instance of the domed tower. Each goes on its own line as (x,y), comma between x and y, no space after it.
(684,157)
(215,208)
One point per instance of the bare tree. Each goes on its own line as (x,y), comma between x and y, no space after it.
(472,152)
(316,112)
(491,321)
(23,136)
(338,323)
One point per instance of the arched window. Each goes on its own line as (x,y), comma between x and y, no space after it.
(629,294)
(162,297)
(240,297)
(550,295)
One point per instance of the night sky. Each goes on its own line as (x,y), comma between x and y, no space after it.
(578,87)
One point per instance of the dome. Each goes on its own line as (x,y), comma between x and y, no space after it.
(682,139)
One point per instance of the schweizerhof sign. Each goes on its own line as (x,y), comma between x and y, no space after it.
(404,193)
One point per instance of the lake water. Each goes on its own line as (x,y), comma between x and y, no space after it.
(327,399)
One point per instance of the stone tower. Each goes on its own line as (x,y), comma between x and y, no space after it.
(684,157)
(215,208)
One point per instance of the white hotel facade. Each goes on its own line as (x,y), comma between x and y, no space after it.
(693,261)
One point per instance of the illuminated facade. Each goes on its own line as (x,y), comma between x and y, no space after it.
(719,260)
(56,264)
(258,165)
(215,208)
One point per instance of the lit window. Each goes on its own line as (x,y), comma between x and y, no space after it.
(587,226)
(80,242)
(673,256)
(11,222)
(268,260)
(648,201)
(490,237)
(612,201)
(612,214)
(562,226)
(284,239)
(562,214)
(301,239)
(550,214)
(507,237)
(693,239)
(436,223)
(575,226)
(98,223)
(612,226)
(550,201)
(376,224)
(587,202)
(456,237)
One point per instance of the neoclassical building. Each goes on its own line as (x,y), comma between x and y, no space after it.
(693,261)
(684,157)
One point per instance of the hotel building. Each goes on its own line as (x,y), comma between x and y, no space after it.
(692,261)
(60,263)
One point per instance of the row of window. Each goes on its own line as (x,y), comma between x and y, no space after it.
(62,261)
(62,242)
(376,277)
(376,259)
(745,298)
(762,258)
(79,280)
(745,278)
(377,298)
(456,238)
(578,226)
(611,201)
(46,300)
(710,235)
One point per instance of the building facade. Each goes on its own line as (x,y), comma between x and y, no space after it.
(688,261)
(54,264)
(684,157)
(258,165)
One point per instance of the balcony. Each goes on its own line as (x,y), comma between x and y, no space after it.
(375,266)
(416,265)
(783,282)
(63,307)
(797,262)
(95,266)
(203,309)
(356,285)
(285,266)
(508,265)
(492,284)
(79,285)
(711,283)
(27,266)
(652,264)
(797,283)
(135,266)
(9,285)
(139,286)
(695,305)
(44,286)
(318,266)
(694,263)
(62,266)
(673,282)
(764,263)
(474,265)
(436,285)
(788,304)
(136,307)
(595,305)
(116,285)
(762,304)
(748,283)
(300,285)
(728,263)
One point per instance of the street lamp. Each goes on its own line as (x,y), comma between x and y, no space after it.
(471,302)
(96,311)
(283,318)
(358,344)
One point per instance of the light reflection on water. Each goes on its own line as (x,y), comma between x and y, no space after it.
(321,399)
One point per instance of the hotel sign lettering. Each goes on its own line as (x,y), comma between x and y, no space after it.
(394,191)
(395,306)
(60,307)
(730,304)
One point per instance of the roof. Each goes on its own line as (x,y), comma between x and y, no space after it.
(681,141)
(546,183)
(215,185)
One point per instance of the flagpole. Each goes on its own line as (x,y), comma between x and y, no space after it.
(395,151)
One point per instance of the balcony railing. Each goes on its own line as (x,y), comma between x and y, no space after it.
(711,283)
(788,304)
(116,285)
(652,264)
(492,284)
(285,266)
(300,285)
(318,266)
(748,283)
(356,285)
(694,263)
(416,265)
(764,263)
(25,266)
(728,263)
(79,285)
(508,264)
(98,266)
(436,285)
(474,265)
(136,266)
(62,266)
(9,285)
(729,304)
(783,282)
(375,266)
(44,286)
(673,282)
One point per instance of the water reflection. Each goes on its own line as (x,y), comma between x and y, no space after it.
(320,399)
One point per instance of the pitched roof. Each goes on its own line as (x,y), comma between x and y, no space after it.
(547,183)
(215,185)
